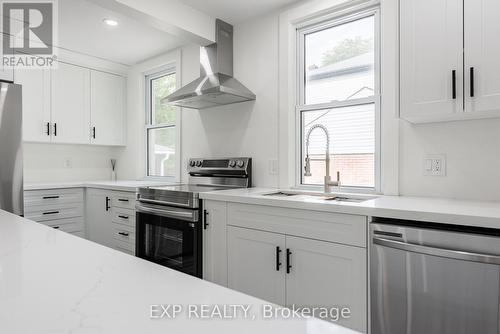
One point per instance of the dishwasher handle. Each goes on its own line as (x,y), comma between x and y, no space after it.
(441,252)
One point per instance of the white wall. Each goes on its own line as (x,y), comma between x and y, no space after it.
(472,150)
(47,162)
(251,129)
(247,129)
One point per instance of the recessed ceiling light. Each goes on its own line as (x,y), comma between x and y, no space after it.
(110,22)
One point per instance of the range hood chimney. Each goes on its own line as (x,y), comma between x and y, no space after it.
(216,85)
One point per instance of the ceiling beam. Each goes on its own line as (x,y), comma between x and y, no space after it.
(170,16)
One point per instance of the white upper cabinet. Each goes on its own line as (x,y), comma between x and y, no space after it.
(36,104)
(71,104)
(66,104)
(107,108)
(482,55)
(449,60)
(431,59)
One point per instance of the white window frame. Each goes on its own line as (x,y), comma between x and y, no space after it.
(307,28)
(167,69)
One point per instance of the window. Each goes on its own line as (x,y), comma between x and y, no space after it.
(161,131)
(338,89)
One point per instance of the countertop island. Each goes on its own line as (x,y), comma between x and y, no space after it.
(53,282)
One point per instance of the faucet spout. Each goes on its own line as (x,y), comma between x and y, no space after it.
(307,168)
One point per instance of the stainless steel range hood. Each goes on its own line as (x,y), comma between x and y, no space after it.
(216,85)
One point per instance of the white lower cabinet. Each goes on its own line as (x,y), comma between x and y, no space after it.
(98,216)
(60,209)
(214,242)
(330,275)
(110,218)
(299,257)
(253,266)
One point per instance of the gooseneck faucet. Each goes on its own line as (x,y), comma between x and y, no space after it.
(307,167)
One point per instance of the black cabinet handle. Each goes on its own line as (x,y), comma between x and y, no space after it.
(288,258)
(123,233)
(205,215)
(454,84)
(123,217)
(93,132)
(55,129)
(278,263)
(122,200)
(55,227)
(107,203)
(50,213)
(48,129)
(472,82)
(50,197)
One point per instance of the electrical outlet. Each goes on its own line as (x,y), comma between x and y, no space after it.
(435,165)
(68,163)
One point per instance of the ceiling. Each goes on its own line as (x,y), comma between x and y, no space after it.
(81,29)
(236,11)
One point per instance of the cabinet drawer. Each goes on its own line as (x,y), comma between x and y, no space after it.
(124,216)
(334,227)
(54,211)
(124,233)
(124,246)
(70,225)
(52,197)
(123,200)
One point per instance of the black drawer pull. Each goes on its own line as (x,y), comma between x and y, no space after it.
(48,129)
(50,212)
(55,129)
(288,265)
(123,233)
(453,84)
(278,263)
(123,217)
(50,197)
(122,200)
(205,223)
(55,227)
(472,82)
(107,203)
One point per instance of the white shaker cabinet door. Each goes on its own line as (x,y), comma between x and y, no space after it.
(107,108)
(329,275)
(70,104)
(98,216)
(252,263)
(35,103)
(431,59)
(214,242)
(482,55)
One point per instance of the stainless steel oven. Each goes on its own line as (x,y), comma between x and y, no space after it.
(169,220)
(170,236)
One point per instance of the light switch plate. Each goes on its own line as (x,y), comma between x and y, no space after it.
(434,165)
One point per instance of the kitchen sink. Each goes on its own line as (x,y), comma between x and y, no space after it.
(332,197)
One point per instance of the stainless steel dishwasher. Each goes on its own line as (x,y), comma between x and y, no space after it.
(429,278)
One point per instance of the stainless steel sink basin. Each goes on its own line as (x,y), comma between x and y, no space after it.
(321,196)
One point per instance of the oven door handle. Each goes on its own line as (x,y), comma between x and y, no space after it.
(153,201)
(441,252)
(190,216)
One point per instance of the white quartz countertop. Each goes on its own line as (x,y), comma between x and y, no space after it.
(53,282)
(122,185)
(441,210)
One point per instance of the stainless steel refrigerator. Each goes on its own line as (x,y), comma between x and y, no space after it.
(11,149)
